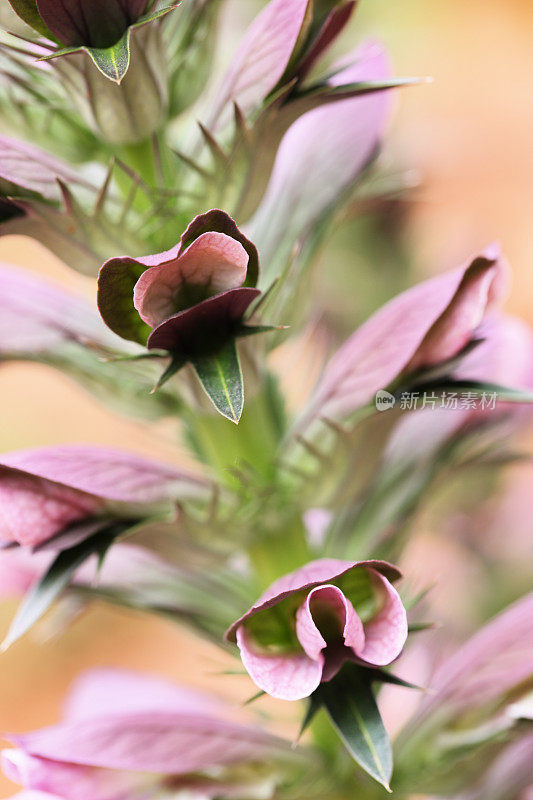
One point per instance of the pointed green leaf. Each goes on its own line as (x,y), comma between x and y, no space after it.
(221,376)
(314,706)
(352,708)
(383,676)
(54,581)
(251,330)
(253,698)
(175,365)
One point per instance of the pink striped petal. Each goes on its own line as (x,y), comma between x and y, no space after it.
(291,676)
(37,316)
(388,342)
(315,573)
(323,153)
(34,509)
(70,781)
(168,743)
(262,56)
(489,664)
(108,474)
(20,569)
(214,261)
(29,168)
(31,795)
(482,284)
(386,632)
(119,691)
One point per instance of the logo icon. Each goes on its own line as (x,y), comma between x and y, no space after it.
(384,400)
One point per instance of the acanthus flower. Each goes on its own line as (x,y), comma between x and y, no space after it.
(189,301)
(310,622)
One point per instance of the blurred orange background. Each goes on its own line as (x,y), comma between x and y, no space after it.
(469,134)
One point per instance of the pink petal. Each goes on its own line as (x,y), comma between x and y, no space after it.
(108,474)
(36,315)
(262,56)
(20,569)
(31,795)
(505,355)
(309,635)
(481,285)
(381,348)
(315,573)
(291,676)
(69,781)
(34,509)
(214,260)
(489,664)
(321,154)
(167,742)
(386,633)
(28,167)
(119,691)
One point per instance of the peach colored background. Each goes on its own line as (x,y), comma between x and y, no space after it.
(470,135)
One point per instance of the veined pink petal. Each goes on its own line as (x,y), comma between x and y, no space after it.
(307,630)
(34,509)
(119,691)
(322,153)
(289,676)
(70,781)
(166,742)
(107,474)
(30,168)
(214,261)
(37,316)
(505,355)
(383,346)
(20,569)
(482,285)
(386,632)
(31,795)
(489,664)
(315,573)
(262,56)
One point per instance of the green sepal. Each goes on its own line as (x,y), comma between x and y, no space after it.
(113,62)
(252,330)
(116,282)
(55,580)
(382,676)
(175,365)
(350,703)
(220,374)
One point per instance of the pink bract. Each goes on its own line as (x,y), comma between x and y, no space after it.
(125,735)
(428,324)
(44,490)
(318,654)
